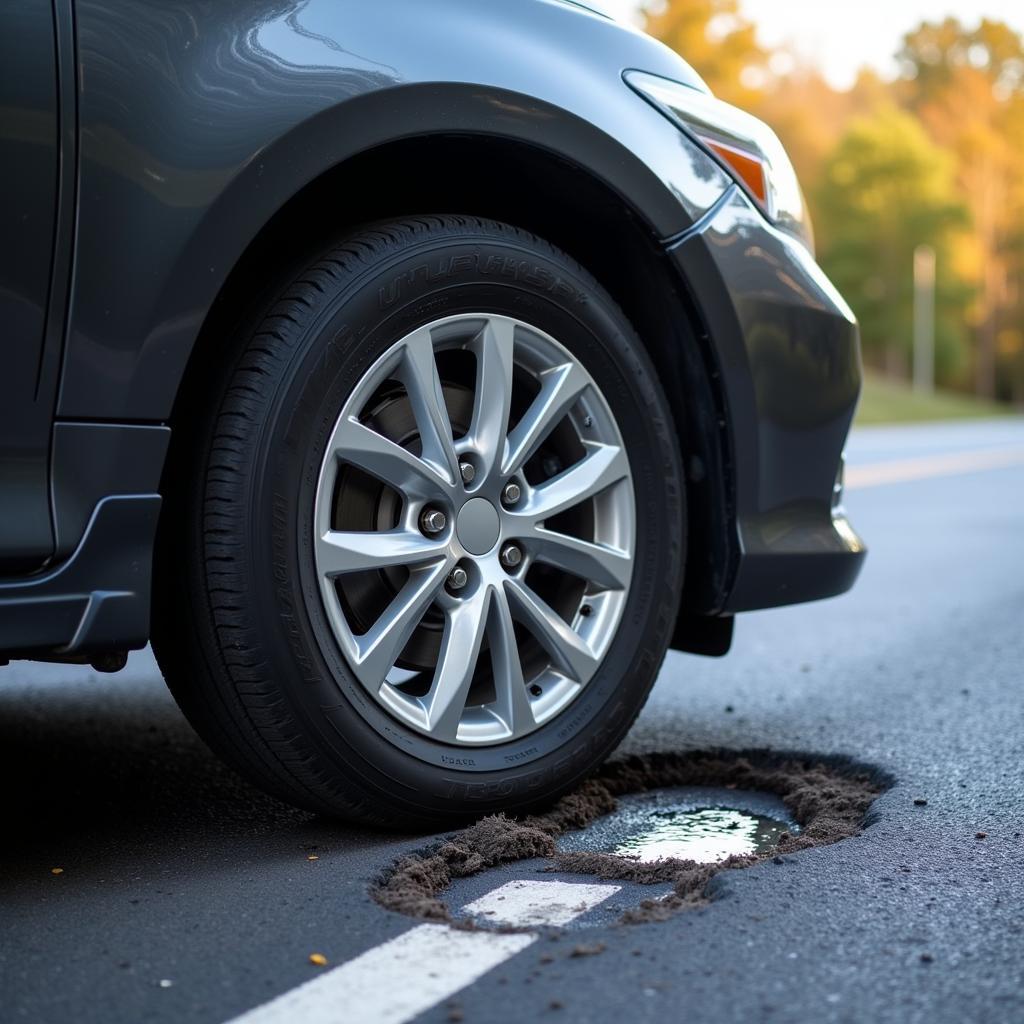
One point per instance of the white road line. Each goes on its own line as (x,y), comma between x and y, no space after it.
(405,977)
(533,904)
(902,470)
(395,982)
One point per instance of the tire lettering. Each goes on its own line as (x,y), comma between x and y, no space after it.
(442,268)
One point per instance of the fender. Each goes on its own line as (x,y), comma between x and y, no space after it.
(199,122)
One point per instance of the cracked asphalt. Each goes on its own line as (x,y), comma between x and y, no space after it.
(174,870)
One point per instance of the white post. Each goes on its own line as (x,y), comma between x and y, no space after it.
(924,319)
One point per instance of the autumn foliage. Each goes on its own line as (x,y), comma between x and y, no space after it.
(935,156)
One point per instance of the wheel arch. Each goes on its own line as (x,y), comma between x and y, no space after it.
(557,199)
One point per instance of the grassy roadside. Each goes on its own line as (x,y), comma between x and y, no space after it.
(886,401)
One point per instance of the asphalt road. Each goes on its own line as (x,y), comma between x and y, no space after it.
(176,871)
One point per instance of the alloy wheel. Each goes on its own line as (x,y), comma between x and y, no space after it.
(475,529)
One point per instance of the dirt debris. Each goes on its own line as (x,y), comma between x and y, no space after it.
(412,886)
(828,800)
(587,949)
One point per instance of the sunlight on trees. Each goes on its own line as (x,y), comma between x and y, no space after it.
(967,87)
(933,157)
(885,189)
(720,44)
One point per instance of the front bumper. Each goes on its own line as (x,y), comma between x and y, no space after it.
(788,355)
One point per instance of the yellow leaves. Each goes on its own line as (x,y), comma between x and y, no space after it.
(967,256)
(318,959)
(313,856)
(1010,342)
(56,871)
(941,59)
(889,159)
(936,156)
(843,172)
(719,43)
(874,200)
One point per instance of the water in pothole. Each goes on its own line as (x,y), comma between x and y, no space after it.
(693,823)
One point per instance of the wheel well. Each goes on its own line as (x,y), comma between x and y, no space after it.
(555,200)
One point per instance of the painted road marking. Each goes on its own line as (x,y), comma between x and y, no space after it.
(405,977)
(394,982)
(534,904)
(903,470)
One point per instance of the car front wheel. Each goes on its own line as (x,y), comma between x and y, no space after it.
(422,557)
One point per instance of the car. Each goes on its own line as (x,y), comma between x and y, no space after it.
(410,375)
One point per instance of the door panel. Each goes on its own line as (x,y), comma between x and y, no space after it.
(29,166)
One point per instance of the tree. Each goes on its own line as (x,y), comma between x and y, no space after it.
(887,188)
(946,171)
(810,116)
(967,87)
(721,45)
(935,53)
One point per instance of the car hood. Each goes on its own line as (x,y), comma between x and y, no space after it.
(609,10)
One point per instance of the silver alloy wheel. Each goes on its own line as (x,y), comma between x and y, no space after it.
(525,391)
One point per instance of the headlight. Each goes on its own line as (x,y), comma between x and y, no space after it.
(746,147)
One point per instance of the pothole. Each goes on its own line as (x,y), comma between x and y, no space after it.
(697,823)
(612,824)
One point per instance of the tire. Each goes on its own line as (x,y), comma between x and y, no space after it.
(247,626)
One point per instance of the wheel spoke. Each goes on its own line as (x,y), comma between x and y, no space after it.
(420,471)
(339,552)
(560,387)
(605,567)
(413,477)
(423,385)
(567,649)
(464,630)
(378,649)
(512,703)
(602,466)
(493,348)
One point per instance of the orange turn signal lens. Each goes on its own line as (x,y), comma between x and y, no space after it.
(749,169)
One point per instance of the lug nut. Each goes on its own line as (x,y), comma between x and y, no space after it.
(467,471)
(433,521)
(457,578)
(511,556)
(510,495)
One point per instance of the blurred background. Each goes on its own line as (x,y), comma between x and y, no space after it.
(905,120)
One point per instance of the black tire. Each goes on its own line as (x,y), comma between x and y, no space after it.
(239,625)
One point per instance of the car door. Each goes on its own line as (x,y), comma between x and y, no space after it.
(31,302)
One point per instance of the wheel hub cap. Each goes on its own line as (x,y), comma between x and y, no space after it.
(478,526)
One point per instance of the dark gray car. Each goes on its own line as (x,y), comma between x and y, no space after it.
(412,374)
